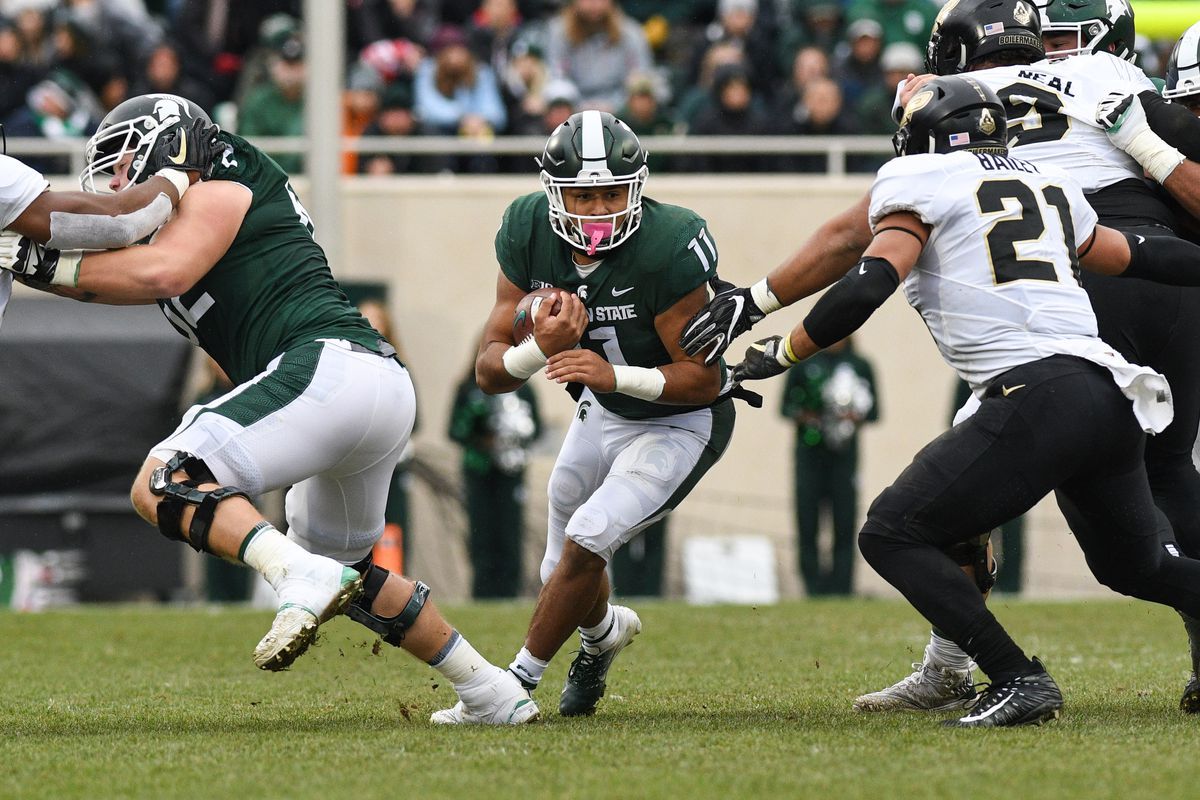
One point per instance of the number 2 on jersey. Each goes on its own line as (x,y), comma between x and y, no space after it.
(1005,234)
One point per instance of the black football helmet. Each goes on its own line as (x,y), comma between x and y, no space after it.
(968,30)
(1183,69)
(952,113)
(133,127)
(594,148)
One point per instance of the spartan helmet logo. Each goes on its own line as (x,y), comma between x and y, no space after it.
(583,410)
(582,292)
(1023,13)
(167,111)
(987,122)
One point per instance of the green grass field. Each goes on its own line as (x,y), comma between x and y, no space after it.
(709,702)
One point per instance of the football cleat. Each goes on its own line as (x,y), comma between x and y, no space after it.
(1023,700)
(1190,702)
(504,701)
(586,678)
(309,596)
(928,688)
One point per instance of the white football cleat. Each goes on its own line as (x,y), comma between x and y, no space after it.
(309,594)
(504,701)
(928,688)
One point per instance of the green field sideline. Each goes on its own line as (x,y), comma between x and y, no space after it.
(709,702)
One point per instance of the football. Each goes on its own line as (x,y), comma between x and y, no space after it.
(528,308)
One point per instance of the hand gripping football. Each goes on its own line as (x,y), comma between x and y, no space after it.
(529,307)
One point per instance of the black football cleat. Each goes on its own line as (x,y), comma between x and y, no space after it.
(1024,700)
(589,671)
(1190,702)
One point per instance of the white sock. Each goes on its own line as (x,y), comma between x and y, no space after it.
(269,551)
(528,668)
(462,665)
(946,654)
(600,637)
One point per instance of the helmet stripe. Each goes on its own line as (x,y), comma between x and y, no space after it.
(1189,48)
(592,146)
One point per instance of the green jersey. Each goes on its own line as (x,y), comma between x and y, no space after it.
(670,255)
(272,290)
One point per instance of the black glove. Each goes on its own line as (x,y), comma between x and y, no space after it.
(194,148)
(761,361)
(730,313)
(25,257)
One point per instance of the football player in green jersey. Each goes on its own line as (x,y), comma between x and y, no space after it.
(321,405)
(650,420)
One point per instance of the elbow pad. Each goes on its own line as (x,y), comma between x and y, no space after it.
(1163,259)
(851,301)
(1176,125)
(70,231)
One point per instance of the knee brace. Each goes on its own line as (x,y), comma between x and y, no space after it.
(176,496)
(973,553)
(390,629)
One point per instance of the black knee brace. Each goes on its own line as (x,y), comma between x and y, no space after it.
(390,629)
(175,496)
(973,553)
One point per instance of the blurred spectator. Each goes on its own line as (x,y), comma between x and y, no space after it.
(812,23)
(255,70)
(395,118)
(820,112)
(874,112)
(809,64)
(16,76)
(387,60)
(370,21)
(902,20)
(163,73)
(856,69)
(735,112)
(120,29)
(215,35)
(492,31)
(495,432)
(699,95)
(523,85)
(562,100)
(360,107)
(643,111)
(76,50)
(37,45)
(829,397)
(457,95)
(277,109)
(595,46)
(60,106)
(737,23)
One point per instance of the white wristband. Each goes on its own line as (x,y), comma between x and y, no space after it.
(1157,157)
(177,177)
(66,272)
(640,382)
(764,298)
(524,359)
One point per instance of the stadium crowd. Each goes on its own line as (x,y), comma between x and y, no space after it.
(478,69)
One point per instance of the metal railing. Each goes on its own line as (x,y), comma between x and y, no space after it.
(835,148)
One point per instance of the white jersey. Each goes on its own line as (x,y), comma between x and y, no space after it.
(19,186)
(1052,114)
(997,281)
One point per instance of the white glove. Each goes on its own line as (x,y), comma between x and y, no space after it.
(1124,120)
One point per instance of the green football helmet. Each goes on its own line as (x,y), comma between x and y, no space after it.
(1183,68)
(1100,26)
(592,149)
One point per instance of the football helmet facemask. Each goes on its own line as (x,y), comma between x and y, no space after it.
(969,30)
(952,113)
(594,149)
(1099,26)
(1183,68)
(133,127)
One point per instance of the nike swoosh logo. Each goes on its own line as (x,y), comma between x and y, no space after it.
(1007,390)
(989,712)
(862,269)
(623,291)
(1141,239)
(179,157)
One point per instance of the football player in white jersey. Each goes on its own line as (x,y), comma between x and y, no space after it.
(85,221)
(985,245)
(1048,101)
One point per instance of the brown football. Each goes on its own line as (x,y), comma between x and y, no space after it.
(529,305)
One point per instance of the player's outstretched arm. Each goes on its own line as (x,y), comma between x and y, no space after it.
(1162,259)
(685,381)
(88,221)
(184,251)
(821,260)
(502,365)
(848,304)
